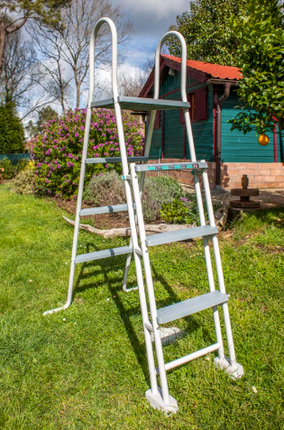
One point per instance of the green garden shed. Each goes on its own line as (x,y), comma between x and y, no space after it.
(212,95)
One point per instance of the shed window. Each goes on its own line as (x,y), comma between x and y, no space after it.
(198,106)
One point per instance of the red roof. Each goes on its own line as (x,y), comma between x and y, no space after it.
(214,70)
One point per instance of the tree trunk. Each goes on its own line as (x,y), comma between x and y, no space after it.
(2,43)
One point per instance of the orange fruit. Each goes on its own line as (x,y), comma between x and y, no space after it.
(263,140)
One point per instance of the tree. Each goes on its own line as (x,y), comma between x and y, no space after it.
(11,130)
(261,59)
(16,75)
(15,13)
(65,51)
(207,30)
(44,115)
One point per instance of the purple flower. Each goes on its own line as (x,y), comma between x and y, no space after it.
(76,134)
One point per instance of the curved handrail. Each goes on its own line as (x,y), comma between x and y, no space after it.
(98,25)
(183,64)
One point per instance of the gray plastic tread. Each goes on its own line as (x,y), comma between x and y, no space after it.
(190,306)
(106,253)
(198,165)
(178,235)
(103,210)
(141,104)
(114,160)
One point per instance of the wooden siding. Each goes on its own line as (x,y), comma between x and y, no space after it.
(203,132)
(174,130)
(239,147)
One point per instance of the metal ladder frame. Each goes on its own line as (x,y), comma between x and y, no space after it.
(158,397)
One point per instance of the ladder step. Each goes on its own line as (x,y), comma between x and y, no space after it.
(190,306)
(103,210)
(141,104)
(112,252)
(178,235)
(114,160)
(199,165)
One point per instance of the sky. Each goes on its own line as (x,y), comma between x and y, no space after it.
(151,19)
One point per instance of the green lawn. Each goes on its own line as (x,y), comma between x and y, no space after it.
(85,368)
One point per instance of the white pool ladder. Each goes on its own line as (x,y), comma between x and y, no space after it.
(153,318)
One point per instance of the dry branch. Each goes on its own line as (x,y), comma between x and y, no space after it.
(125,231)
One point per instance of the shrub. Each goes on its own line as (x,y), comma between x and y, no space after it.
(179,211)
(108,188)
(11,130)
(23,182)
(57,150)
(159,190)
(10,169)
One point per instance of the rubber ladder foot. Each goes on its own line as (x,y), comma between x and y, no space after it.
(157,402)
(235,372)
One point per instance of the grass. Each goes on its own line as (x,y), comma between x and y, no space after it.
(85,368)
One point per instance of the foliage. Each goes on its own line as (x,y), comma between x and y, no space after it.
(44,115)
(47,11)
(57,150)
(11,130)
(22,183)
(50,377)
(12,169)
(158,190)
(180,211)
(207,31)
(261,58)
(105,189)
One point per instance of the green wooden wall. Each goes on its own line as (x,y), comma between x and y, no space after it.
(235,146)
(238,147)
(174,131)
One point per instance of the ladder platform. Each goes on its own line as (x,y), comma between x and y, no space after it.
(106,253)
(103,210)
(190,306)
(178,235)
(114,160)
(141,104)
(198,165)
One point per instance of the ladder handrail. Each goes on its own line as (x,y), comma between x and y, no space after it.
(95,31)
(181,39)
(183,64)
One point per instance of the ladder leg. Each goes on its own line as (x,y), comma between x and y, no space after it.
(129,257)
(126,272)
(212,288)
(134,241)
(77,219)
(231,366)
(165,401)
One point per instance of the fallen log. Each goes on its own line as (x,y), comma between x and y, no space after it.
(125,231)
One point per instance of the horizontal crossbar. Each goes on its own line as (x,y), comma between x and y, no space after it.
(200,165)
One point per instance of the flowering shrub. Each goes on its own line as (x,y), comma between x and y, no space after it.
(57,150)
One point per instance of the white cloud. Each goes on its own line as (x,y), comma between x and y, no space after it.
(159,9)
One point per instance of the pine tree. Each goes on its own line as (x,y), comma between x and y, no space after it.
(11,130)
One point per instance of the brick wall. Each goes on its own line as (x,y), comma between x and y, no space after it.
(261,175)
